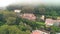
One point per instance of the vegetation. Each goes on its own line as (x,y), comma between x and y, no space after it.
(10,23)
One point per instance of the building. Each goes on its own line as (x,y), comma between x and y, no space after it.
(17,11)
(50,22)
(43,17)
(28,16)
(40,32)
(58,18)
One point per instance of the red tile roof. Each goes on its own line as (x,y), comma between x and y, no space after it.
(51,21)
(29,16)
(36,32)
(39,32)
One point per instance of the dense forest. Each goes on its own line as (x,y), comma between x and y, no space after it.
(10,23)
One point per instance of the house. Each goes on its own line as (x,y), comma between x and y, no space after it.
(28,16)
(40,32)
(17,11)
(58,18)
(50,22)
(42,17)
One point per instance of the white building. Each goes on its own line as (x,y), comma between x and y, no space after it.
(42,17)
(17,11)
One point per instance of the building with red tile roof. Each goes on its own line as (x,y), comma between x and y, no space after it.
(40,32)
(28,16)
(50,22)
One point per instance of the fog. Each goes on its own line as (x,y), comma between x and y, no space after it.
(4,3)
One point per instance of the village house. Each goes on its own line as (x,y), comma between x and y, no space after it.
(58,18)
(42,17)
(50,22)
(40,32)
(17,11)
(28,16)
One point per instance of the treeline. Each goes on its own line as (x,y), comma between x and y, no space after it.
(40,9)
(48,11)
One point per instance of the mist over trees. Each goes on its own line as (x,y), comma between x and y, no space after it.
(40,9)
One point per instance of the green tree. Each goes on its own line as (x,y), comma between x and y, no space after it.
(11,21)
(4,29)
(23,26)
(42,11)
(54,14)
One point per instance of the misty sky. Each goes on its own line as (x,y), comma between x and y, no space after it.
(4,3)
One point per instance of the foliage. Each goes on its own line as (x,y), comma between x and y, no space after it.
(56,29)
(5,29)
(11,23)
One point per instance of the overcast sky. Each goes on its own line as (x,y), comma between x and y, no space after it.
(4,3)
